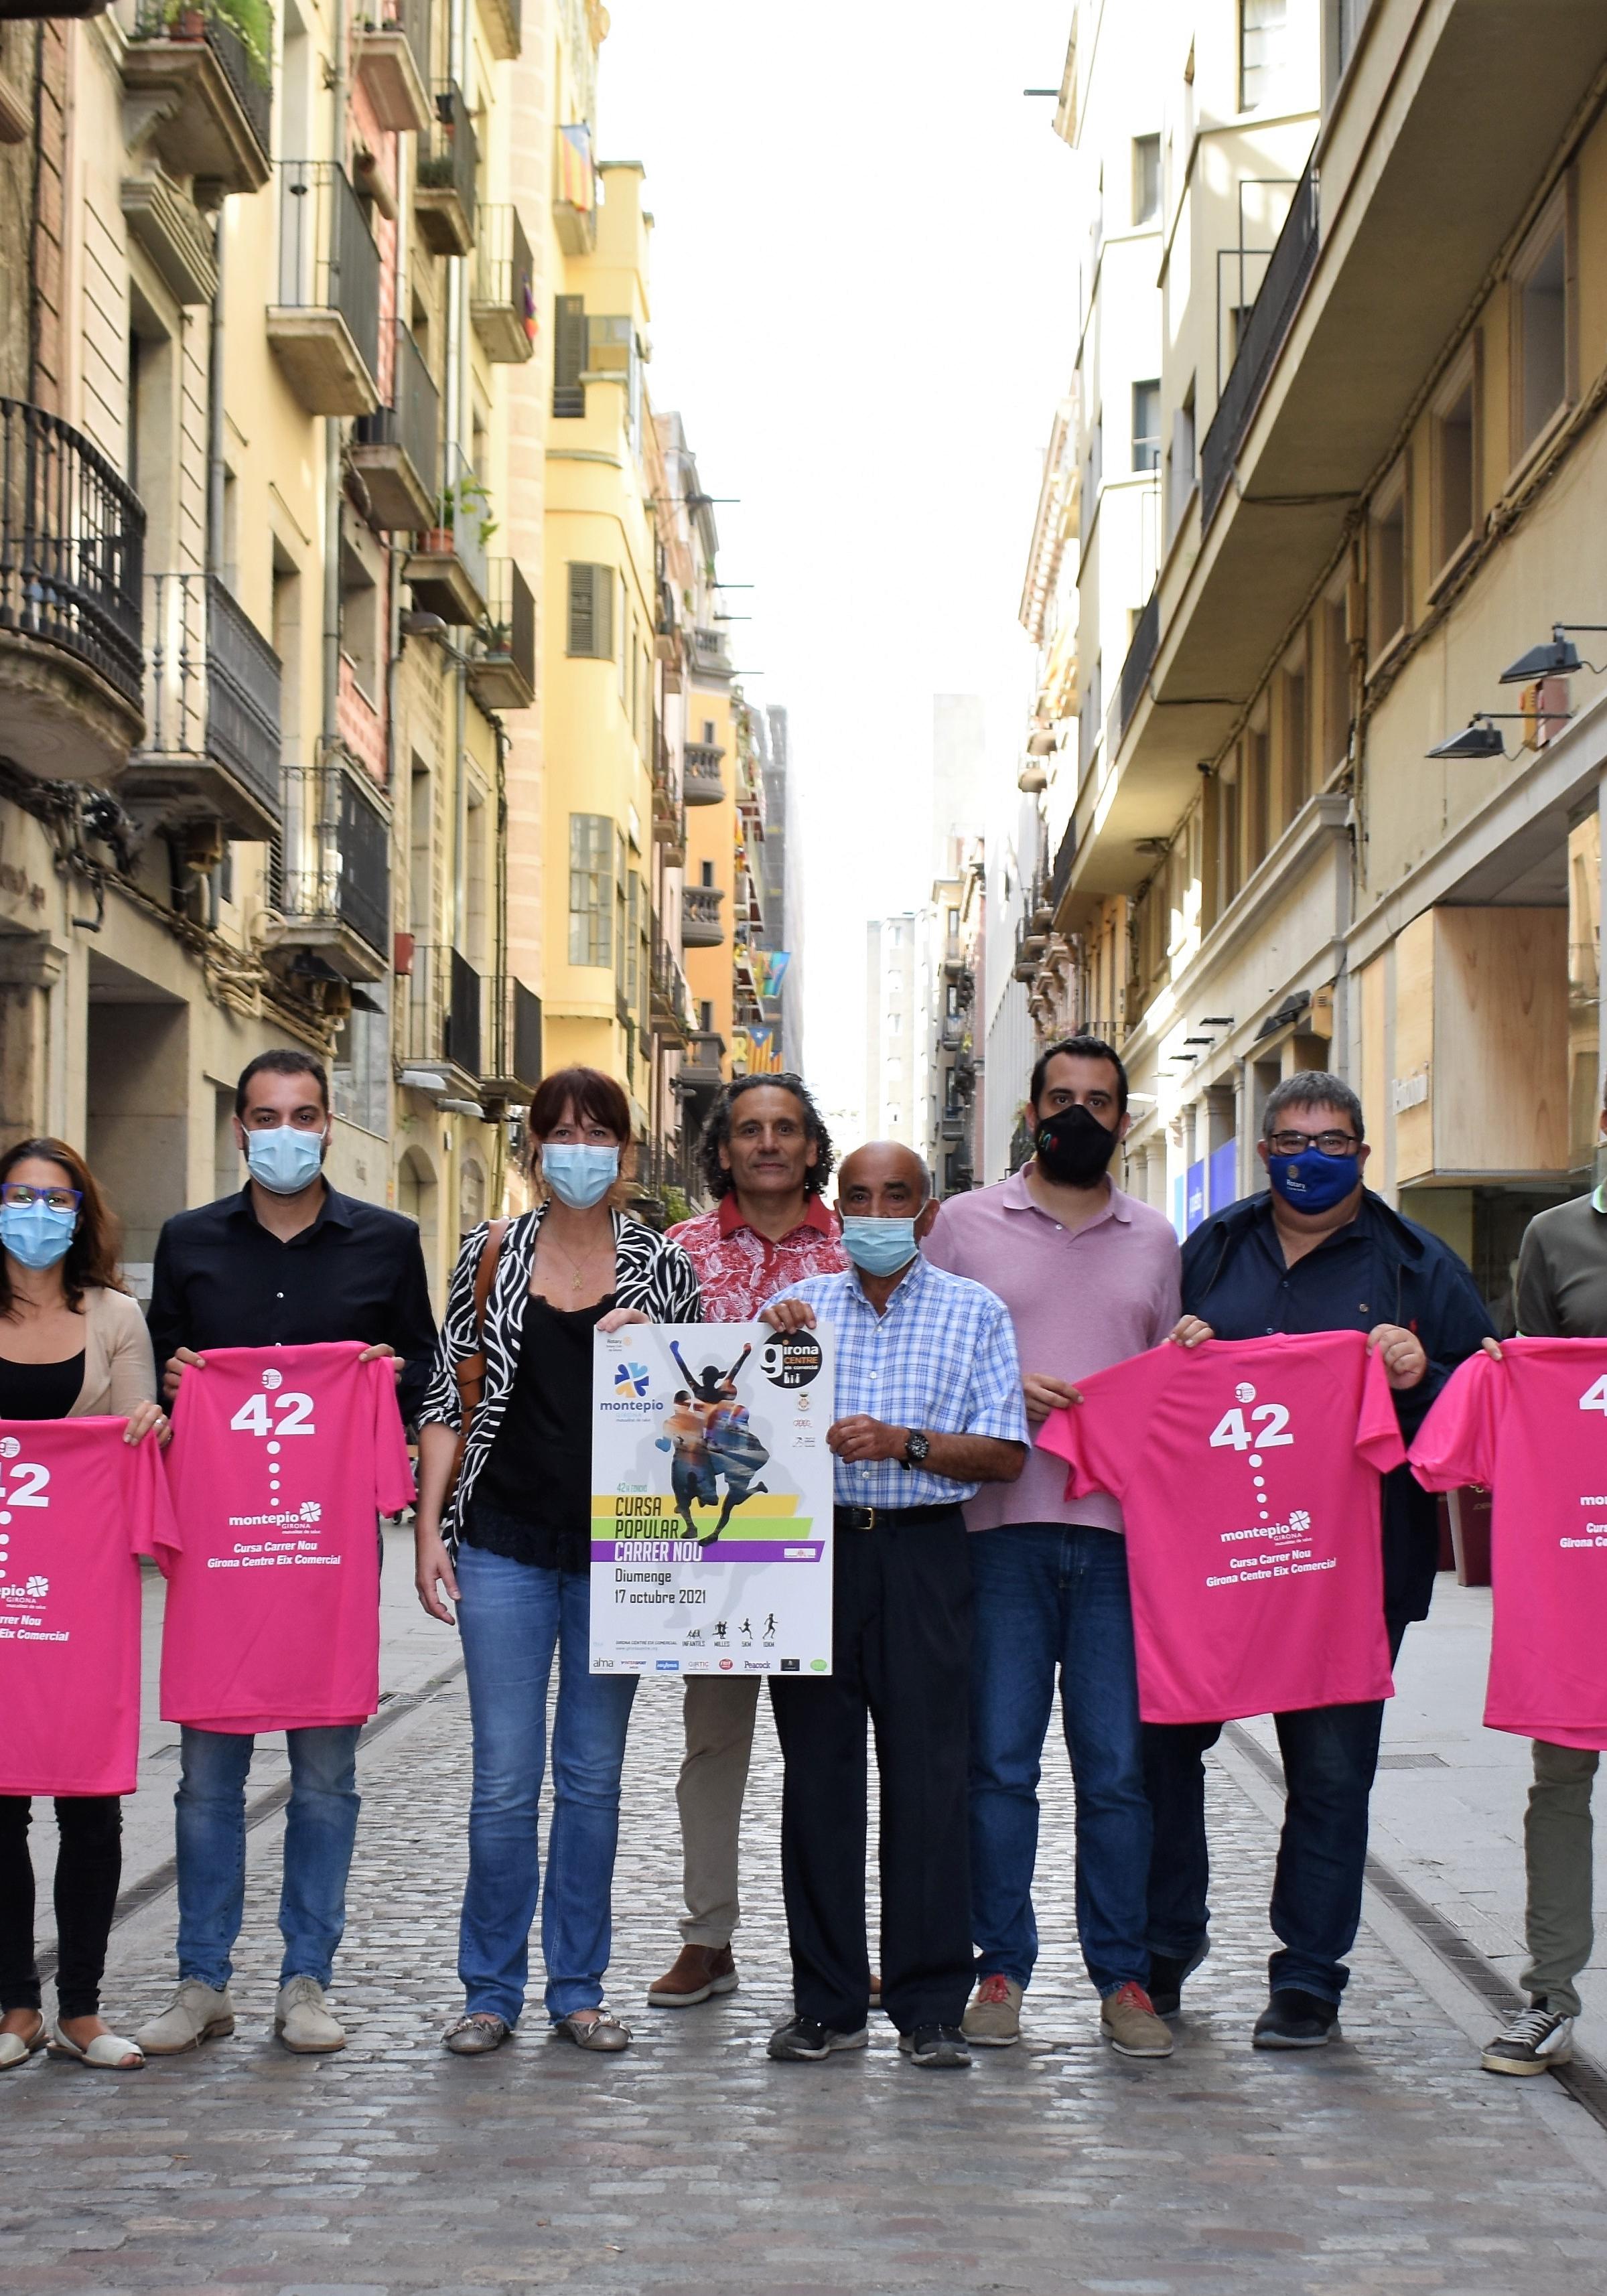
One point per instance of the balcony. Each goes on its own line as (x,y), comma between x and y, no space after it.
(700,783)
(575,191)
(72,538)
(671,1003)
(668,812)
(391,60)
(700,1062)
(330,875)
(397,449)
(211,748)
(442,1020)
(512,1054)
(700,926)
(199,77)
(325,329)
(443,200)
(502,662)
(503,303)
(450,572)
(1138,663)
(167,223)
(710,659)
(1271,314)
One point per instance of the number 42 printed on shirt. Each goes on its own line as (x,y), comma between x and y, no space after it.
(1230,1432)
(296,1415)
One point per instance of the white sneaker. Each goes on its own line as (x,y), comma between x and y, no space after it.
(197,2013)
(1537,2039)
(302,2022)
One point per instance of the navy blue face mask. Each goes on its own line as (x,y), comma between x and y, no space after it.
(1312,1181)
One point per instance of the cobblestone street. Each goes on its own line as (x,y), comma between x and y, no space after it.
(1389,2162)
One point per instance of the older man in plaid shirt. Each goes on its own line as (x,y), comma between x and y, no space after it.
(929,1407)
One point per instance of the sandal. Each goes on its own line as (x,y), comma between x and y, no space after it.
(15,2051)
(604,2034)
(108,2053)
(476,2033)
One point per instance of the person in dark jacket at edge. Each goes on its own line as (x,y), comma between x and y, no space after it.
(1318,1252)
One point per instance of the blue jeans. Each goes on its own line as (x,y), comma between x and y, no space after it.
(1047,1595)
(320,1828)
(514,1617)
(1330,1755)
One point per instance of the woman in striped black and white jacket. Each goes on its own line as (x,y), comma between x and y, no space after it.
(511,1546)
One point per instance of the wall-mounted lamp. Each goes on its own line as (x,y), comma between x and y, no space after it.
(1479,739)
(1555,660)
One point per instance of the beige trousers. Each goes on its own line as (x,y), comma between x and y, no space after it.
(719,1714)
(1557,1859)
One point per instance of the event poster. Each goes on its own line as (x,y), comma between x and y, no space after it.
(711,1500)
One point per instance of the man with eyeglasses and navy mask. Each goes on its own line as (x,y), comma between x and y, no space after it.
(289,1262)
(1317,1252)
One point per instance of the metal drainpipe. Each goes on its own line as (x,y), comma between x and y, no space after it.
(331,432)
(457,363)
(215,426)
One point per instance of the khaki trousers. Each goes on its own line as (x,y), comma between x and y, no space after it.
(719,1713)
(1557,1859)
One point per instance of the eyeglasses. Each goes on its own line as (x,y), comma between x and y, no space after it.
(16,1196)
(1327,1143)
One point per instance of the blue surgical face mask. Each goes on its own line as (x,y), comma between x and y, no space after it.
(1312,1181)
(284,1159)
(881,1247)
(34,1236)
(579,1174)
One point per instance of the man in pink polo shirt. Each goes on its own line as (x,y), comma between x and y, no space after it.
(766,1159)
(1090,1276)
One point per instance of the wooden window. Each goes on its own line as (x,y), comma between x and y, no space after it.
(1146,179)
(568,357)
(591,888)
(591,619)
(1146,426)
(1540,325)
(1453,462)
(1387,565)
(1257,777)
(1294,737)
(1336,683)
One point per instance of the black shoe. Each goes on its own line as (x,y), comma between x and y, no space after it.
(942,2046)
(1293,2020)
(804,2041)
(1168,1974)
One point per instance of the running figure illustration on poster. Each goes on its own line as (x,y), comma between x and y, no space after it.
(711,1434)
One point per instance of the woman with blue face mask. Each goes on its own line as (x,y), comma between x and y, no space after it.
(72,1344)
(510,1543)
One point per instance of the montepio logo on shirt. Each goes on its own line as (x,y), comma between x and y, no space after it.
(1296,1527)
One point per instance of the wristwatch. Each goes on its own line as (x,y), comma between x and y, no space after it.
(917,1450)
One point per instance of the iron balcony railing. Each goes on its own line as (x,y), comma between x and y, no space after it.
(412,17)
(671,998)
(443,1017)
(509,632)
(240,34)
(333,864)
(1271,316)
(466,509)
(504,270)
(514,1040)
(1060,875)
(1140,661)
(213,684)
(450,159)
(72,537)
(328,257)
(413,420)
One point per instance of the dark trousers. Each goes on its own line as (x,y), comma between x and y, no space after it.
(901,1654)
(89,1866)
(1329,1756)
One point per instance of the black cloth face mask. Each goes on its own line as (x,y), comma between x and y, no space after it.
(1073,1147)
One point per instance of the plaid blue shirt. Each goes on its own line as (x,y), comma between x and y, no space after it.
(942,1358)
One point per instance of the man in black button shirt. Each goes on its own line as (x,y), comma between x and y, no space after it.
(289,1262)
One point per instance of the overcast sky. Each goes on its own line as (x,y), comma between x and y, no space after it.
(863,289)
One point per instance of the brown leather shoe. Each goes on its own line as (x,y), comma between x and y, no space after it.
(699,1972)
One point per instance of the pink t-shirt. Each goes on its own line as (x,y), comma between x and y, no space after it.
(1248,1470)
(1534,1428)
(77,1507)
(281,1459)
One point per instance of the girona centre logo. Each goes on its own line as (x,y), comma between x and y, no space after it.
(630,1379)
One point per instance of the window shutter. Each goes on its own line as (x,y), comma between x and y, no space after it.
(583,618)
(569,356)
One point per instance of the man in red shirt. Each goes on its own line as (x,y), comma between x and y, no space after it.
(766,1160)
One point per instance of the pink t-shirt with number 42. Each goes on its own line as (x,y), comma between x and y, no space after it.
(1533,1427)
(281,1460)
(78,1507)
(1248,1473)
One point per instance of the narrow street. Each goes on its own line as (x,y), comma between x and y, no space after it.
(1389,2163)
